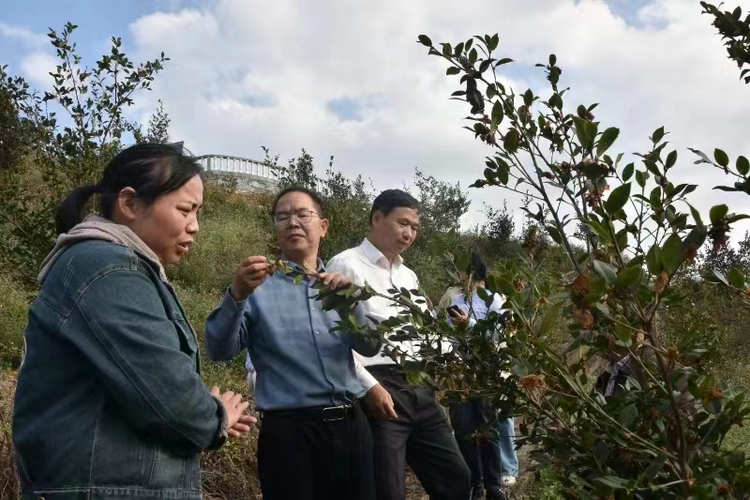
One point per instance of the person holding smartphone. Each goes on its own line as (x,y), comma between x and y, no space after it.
(492,459)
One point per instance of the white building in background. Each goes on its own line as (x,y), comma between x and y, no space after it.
(251,175)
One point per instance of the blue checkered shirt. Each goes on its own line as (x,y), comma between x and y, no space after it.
(299,362)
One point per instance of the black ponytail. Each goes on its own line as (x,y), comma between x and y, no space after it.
(70,210)
(152,170)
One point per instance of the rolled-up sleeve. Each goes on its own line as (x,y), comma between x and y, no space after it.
(226,329)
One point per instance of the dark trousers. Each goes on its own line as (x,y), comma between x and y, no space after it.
(421,438)
(304,459)
(475,424)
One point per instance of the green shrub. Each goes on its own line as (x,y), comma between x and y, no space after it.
(14,300)
(233,227)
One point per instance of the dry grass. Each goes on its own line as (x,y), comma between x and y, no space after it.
(9,486)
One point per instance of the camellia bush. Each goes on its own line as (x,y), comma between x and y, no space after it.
(661,435)
(627,231)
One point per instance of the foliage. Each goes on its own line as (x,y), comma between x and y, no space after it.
(226,238)
(158,127)
(13,309)
(441,204)
(50,156)
(662,435)
(735,32)
(347,203)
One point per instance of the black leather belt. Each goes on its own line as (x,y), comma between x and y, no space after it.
(319,414)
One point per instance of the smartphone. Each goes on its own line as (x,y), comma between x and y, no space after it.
(454,311)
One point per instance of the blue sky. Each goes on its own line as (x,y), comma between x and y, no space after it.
(347,79)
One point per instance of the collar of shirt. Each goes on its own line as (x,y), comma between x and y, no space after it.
(367,264)
(376,256)
(321,268)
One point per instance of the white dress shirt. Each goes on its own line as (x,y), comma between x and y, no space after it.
(478,309)
(367,264)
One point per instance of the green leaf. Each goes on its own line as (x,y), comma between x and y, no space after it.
(721,157)
(736,278)
(640,178)
(554,234)
(614,482)
(636,261)
(601,452)
(624,335)
(494,41)
(658,135)
(628,415)
(550,317)
(617,198)
(629,277)
(605,271)
(500,285)
(502,174)
(622,239)
(671,160)
(425,40)
(696,214)
(510,142)
(654,467)
(743,165)
(717,213)
(592,129)
(627,172)
(582,131)
(452,70)
(497,114)
(651,167)
(735,217)
(671,253)
(528,97)
(655,196)
(608,138)
(696,237)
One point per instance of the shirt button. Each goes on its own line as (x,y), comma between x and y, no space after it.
(317,332)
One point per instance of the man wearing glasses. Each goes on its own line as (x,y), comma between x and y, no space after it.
(315,441)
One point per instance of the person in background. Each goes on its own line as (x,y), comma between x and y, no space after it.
(110,402)
(492,459)
(408,424)
(315,442)
(450,294)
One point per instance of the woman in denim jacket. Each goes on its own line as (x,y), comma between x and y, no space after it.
(110,402)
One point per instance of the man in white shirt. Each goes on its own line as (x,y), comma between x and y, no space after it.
(408,424)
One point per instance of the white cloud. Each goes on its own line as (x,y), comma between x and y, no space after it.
(36,67)
(294,56)
(26,36)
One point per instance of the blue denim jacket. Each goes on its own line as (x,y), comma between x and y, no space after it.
(110,403)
